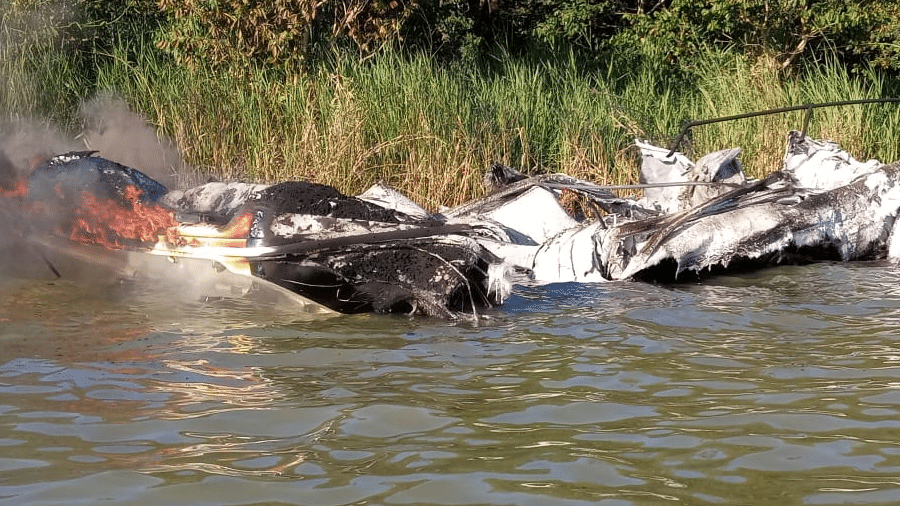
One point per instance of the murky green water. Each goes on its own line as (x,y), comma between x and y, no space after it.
(772,388)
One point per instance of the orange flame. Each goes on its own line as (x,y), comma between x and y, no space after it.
(18,190)
(106,223)
(238,227)
(112,223)
(11,203)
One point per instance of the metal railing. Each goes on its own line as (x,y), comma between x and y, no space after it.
(686,127)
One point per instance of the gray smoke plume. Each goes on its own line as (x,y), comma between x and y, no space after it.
(108,126)
(124,136)
(27,143)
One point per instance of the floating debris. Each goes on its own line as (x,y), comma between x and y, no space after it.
(381,252)
(822,205)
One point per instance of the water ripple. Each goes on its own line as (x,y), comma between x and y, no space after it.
(775,387)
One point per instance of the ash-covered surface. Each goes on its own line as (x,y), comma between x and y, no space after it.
(301,197)
(770,222)
(216,202)
(64,177)
(356,256)
(221,201)
(435,276)
(704,218)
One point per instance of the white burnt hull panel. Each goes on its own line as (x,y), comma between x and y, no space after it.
(784,218)
(192,275)
(852,222)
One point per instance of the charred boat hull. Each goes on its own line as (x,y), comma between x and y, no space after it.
(326,249)
(773,224)
(825,205)
(328,252)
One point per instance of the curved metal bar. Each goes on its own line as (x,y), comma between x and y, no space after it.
(808,107)
(635,186)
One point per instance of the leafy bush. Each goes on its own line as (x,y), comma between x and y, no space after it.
(784,33)
(279,33)
(79,24)
(51,50)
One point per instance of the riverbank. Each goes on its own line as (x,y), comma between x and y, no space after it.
(432,129)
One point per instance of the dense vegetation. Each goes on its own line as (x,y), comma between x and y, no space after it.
(426,94)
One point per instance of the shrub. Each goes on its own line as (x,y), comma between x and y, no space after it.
(278,33)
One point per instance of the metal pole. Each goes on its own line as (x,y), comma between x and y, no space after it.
(808,107)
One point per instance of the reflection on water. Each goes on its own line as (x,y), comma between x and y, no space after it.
(774,387)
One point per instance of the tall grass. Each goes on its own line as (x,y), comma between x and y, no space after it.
(39,83)
(432,132)
(736,86)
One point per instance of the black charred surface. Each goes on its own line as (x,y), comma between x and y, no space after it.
(414,269)
(64,177)
(665,271)
(425,276)
(301,197)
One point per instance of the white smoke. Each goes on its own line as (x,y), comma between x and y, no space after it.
(124,136)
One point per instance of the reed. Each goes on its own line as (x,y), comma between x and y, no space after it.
(39,84)
(431,130)
(735,86)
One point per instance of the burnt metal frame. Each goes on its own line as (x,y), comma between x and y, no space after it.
(686,127)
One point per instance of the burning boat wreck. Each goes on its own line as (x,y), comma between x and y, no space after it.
(324,250)
(328,252)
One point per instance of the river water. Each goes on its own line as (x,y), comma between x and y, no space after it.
(769,388)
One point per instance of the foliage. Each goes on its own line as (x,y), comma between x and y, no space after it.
(279,33)
(548,85)
(51,48)
(781,32)
(78,24)
(584,23)
(431,132)
(785,33)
